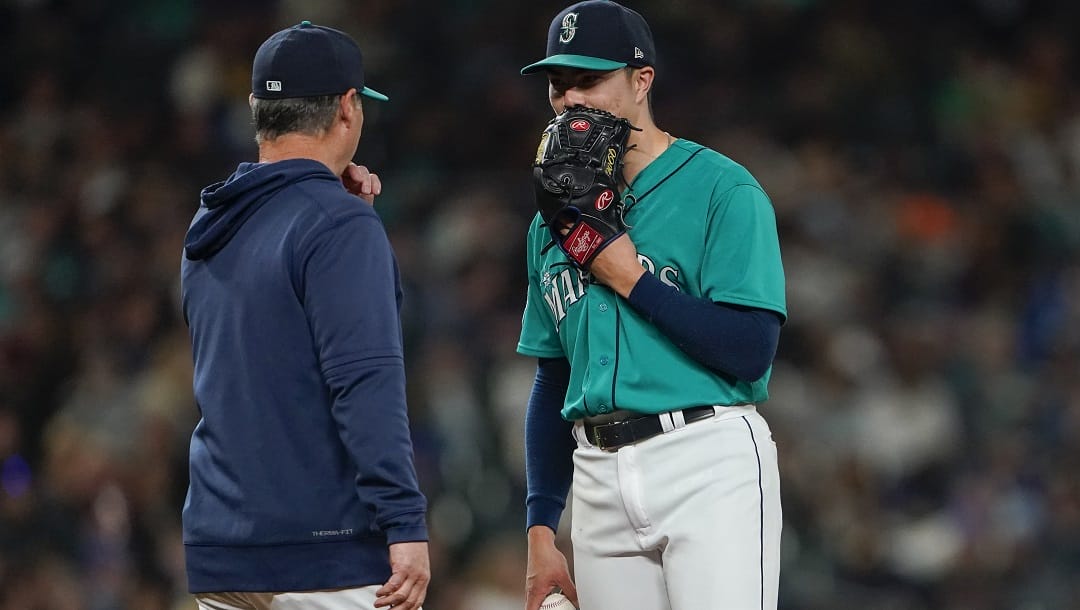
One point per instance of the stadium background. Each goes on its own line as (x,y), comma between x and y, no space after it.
(924,161)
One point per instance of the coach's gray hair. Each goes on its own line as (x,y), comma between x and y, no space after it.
(305,115)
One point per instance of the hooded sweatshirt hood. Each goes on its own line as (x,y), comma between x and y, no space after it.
(225,206)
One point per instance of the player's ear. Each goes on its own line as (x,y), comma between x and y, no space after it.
(642,81)
(349,107)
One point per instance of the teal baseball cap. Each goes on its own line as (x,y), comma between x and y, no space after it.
(308,60)
(597,35)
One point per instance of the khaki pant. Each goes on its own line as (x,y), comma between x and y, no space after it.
(360,598)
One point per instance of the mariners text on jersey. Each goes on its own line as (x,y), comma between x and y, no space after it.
(569,284)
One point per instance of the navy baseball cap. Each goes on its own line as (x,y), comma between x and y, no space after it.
(597,35)
(309,60)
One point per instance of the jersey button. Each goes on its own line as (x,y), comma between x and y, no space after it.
(603,408)
(604,361)
(603,306)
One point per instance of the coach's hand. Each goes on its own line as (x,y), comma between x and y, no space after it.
(410,573)
(546,570)
(361,182)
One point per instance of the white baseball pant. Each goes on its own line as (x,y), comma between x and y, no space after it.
(686,520)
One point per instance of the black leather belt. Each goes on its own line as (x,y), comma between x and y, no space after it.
(612,435)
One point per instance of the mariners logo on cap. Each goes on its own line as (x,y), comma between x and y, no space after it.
(569,28)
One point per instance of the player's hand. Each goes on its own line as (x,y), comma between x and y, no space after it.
(617,265)
(361,182)
(547,569)
(410,573)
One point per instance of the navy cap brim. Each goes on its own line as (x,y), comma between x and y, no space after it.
(373,94)
(581,62)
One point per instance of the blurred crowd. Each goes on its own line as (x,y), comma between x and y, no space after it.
(923,159)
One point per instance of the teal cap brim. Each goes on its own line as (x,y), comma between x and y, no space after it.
(582,62)
(373,94)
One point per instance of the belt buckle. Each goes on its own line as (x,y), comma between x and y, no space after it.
(599,441)
(598,434)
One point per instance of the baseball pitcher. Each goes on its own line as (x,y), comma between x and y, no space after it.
(654,307)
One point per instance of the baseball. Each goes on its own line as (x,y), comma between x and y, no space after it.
(557,601)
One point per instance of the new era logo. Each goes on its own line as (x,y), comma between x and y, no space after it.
(273,85)
(638,53)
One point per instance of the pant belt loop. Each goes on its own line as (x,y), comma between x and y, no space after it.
(666,423)
(579,435)
(678,420)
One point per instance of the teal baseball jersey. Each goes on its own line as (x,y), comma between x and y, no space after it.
(702,224)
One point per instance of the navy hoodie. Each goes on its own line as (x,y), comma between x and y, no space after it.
(301,463)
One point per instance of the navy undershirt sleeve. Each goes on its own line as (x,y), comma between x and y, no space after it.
(738,341)
(549,446)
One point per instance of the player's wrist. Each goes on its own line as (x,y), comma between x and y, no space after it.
(541,533)
(626,282)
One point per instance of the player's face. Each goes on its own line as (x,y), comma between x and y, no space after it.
(610,91)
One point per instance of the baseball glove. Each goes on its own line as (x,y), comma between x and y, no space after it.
(576,173)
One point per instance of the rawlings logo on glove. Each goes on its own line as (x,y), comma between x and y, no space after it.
(576,173)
